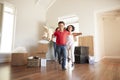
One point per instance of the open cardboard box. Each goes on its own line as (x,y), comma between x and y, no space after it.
(40,54)
(42,50)
(43,47)
(19,58)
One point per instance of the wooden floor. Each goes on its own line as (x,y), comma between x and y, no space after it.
(108,69)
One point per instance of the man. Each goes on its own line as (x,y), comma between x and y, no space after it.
(61,36)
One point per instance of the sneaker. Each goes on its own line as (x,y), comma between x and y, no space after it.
(59,61)
(64,69)
(69,59)
(72,64)
(55,59)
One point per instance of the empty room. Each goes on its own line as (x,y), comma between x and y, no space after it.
(59,40)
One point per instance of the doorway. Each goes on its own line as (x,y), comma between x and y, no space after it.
(107,34)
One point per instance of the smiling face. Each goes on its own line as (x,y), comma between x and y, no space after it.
(70,28)
(61,26)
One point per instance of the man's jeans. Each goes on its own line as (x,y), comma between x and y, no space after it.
(61,50)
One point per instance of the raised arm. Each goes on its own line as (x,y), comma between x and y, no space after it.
(77,34)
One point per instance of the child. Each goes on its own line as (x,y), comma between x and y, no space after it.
(61,36)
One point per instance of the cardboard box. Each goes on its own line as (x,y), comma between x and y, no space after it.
(33,62)
(87,41)
(43,48)
(41,55)
(19,58)
(37,62)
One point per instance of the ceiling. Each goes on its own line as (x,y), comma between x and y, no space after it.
(45,3)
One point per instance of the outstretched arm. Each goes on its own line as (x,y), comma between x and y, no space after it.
(77,34)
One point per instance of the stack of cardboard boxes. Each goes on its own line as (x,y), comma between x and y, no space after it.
(42,50)
(88,42)
(41,53)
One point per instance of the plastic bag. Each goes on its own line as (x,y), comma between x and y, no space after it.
(91,60)
(20,50)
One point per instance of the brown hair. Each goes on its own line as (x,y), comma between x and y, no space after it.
(61,22)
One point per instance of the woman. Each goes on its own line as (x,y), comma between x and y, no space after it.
(70,43)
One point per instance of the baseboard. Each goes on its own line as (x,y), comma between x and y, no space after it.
(3,60)
(97,60)
(112,57)
(107,57)
(5,57)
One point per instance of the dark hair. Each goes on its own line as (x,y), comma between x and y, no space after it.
(73,28)
(61,22)
(56,28)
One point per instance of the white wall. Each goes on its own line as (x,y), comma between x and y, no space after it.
(85,10)
(108,35)
(112,36)
(99,38)
(0,19)
(29,20)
